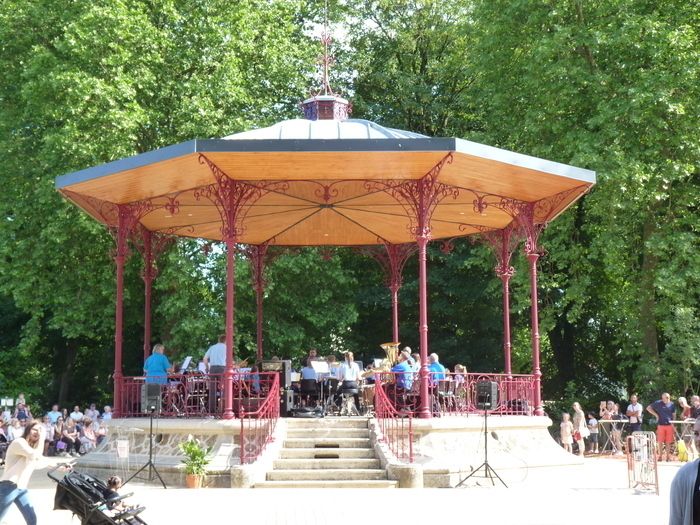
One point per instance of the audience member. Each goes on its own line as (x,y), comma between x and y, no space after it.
(14,430)
(664,411)
(566,432)
(684,407)
(634,413)
(77,415)
(49,433)
(685,496)
(54,414)
(695,407)
(580,428)
(22,412)
(70,438)
(88,439)
(593,433)
(107,414)
(92,412)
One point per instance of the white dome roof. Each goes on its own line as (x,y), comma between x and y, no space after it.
(301,129)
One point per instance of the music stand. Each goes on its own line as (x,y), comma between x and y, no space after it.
(321,367)
(489,472)
(151,466)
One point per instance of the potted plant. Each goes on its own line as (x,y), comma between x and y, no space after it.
(195,461)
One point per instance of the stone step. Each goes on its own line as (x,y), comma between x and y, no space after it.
(332,432)
(327,484)
(313,464)
(328,453)
(326,422)
(327,443)
(326,474)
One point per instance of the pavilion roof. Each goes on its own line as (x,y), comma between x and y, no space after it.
(332,172)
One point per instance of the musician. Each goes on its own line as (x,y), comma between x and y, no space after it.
(308,372)
(403,371)
(349,374)
(157,367)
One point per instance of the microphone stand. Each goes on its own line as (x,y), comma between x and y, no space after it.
(151,466)
(489,472)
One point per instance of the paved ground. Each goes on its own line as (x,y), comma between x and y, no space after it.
(593,492)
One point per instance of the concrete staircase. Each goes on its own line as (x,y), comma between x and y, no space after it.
(327,453)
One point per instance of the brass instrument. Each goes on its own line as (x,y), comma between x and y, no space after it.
(392,352)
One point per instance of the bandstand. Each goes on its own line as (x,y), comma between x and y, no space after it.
(328,180)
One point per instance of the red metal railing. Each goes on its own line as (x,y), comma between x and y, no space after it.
(258,422)
(256,401)
(455,394)
(396,426)
(194,395)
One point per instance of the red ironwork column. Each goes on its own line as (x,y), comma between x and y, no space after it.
(257,254)
(531,230)
(392,258)
(503,243)
(148,286)
(120,257)
(151,245)
(233,199)
(419,199)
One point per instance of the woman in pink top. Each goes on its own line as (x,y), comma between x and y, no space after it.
(22,457)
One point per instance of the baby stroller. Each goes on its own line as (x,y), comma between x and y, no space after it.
(91,500)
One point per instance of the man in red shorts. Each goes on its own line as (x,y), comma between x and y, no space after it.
(664,411)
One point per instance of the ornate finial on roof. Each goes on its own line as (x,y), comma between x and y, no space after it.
(326,105)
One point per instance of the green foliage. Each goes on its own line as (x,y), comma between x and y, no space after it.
(195,454)
(611,85)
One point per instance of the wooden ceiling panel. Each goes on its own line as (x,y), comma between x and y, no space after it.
(153,180)
(488,176)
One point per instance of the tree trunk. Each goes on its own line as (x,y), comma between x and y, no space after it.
(66,374)
(647,293)
(561,338)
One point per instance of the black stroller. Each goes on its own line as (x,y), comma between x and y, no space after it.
(91,500)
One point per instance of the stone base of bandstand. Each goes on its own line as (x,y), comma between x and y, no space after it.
(223,436)
(448,449)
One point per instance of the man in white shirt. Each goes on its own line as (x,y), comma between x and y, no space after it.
(215,358)
(76,415)
(634,413)
(215,363)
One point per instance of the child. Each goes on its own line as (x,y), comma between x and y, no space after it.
(114,503)
(593,429)
(566,432)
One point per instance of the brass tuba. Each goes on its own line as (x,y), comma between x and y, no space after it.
(392,353)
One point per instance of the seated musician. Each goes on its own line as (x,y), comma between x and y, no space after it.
(157,367)
(349,374)
(403,371)
(308,372)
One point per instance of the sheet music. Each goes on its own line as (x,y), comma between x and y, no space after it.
(185,364)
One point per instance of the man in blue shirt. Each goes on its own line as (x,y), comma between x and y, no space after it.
(403,372)
(157,366)
(437,371)
(664,411)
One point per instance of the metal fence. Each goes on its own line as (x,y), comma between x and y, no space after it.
(642,468)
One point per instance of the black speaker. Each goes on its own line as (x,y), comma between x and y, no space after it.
(486,394)
(287,402)
(284,367)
